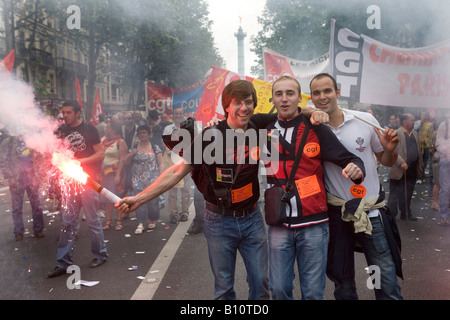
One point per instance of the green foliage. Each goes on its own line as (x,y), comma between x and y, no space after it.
(300,29)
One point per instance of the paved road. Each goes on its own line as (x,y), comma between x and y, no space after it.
(176,264)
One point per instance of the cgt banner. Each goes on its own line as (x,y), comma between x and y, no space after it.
(372,72)
(277,65)
(211,102)
(164,99)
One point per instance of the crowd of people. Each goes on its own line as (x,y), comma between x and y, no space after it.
(423,155)
(325,219)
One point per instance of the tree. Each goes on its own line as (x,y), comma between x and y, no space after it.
(168,42)
(300,29)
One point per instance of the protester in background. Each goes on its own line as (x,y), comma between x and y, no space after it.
(20,165)
(426,133)
(84,141)
(183,186)
(101,125)
(146,165)
(129,130)
(138,118)
(383,170)
(404,173)
(443,151)
(129,134)
(435,168)
(158,129)
(115,152)
(165,121)
(370,229)
(393,122)
(152,119)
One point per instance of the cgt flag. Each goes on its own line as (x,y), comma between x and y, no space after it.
(277,65)
(8,61)
(211,102)
(96,110)
(77,87)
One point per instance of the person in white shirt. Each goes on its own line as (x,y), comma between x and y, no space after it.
(370,145)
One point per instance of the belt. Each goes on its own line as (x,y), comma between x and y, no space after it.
(229,212)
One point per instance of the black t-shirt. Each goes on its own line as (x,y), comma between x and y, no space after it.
(231,159)
(82,140)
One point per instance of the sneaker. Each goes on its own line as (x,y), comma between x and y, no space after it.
(56,272)
(184,217)
(39,234)
(96,263)
(196,228)
(443,222)
(173,220)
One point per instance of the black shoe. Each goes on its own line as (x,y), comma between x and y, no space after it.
(196,228)
(56,272)
(173,220)
(18,237)
(96,263)
(184,217)
(39,234)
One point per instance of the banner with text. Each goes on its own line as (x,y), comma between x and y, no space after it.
(277,65)
(211,102)
(372,72)
(164,99)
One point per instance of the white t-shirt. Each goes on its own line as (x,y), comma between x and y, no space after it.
(360,139)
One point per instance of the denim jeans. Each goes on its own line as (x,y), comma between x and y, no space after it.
(148,211)
(29,185)
(444,189)
(309,246)
(89,201)
(225,236)
(377,253)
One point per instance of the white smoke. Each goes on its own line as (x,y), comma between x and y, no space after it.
(21,117)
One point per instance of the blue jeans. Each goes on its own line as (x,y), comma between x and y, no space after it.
(29,185)
(89,201)
(148,211)
(341,263)
(309,246)
(225,236)
(444,189)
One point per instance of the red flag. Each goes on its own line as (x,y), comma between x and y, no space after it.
(8,61)
(96,110)
(77,87)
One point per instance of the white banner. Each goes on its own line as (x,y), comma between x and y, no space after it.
(372,72)
(405,77)
(277,65)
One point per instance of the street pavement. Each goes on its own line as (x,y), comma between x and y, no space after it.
(172,265)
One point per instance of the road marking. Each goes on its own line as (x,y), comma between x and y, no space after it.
(146,291)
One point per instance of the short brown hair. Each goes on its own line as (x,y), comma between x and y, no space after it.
(239,90)
(288,78)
